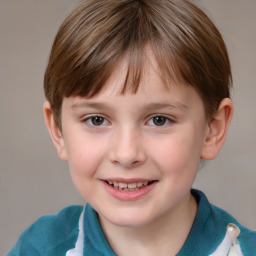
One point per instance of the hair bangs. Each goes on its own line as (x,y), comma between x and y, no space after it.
(98,35)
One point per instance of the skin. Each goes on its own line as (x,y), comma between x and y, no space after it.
(127,144)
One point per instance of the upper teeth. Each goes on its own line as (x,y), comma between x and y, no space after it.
(123,185)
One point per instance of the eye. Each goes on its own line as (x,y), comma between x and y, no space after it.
(96,121)
(159,121)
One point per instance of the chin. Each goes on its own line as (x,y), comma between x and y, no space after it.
(132,223)
(129,219)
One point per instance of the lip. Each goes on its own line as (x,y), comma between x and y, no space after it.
(128,195)
(130,180)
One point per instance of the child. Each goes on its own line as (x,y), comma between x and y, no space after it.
(137,95)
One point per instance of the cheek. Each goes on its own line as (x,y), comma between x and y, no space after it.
(84,156)
(178,153)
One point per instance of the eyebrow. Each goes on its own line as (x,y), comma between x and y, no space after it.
(149,106)
(171,105)
(95,105)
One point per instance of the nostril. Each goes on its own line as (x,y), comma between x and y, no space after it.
(126,152)
(131,164)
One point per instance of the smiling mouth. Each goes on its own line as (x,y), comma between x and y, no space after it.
(129,186)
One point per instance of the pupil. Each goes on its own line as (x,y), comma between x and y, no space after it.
(97,120)
(159,120)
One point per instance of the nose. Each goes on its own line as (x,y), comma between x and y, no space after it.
(127,149)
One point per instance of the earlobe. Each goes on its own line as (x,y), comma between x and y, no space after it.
(217,130)
(54,131)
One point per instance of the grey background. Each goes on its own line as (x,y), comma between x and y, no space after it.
(33,181)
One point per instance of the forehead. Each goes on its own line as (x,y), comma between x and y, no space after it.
(122,78)
(152,92)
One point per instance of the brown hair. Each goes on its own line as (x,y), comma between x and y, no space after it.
(94,37)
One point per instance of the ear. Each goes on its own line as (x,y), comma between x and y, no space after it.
(216,131)
(54,131)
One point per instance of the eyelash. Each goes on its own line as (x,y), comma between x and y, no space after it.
(151,122)
(166,122)
(89,121)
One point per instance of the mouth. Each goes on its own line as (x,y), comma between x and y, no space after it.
(132,186)
(129,190)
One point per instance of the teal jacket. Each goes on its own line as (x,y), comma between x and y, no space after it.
(75,231)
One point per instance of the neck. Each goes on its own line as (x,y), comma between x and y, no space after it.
(163,236)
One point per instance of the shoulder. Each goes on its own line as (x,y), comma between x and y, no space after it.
(240,237)
(50,234)
(246,238)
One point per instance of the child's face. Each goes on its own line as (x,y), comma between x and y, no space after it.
(153,137)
